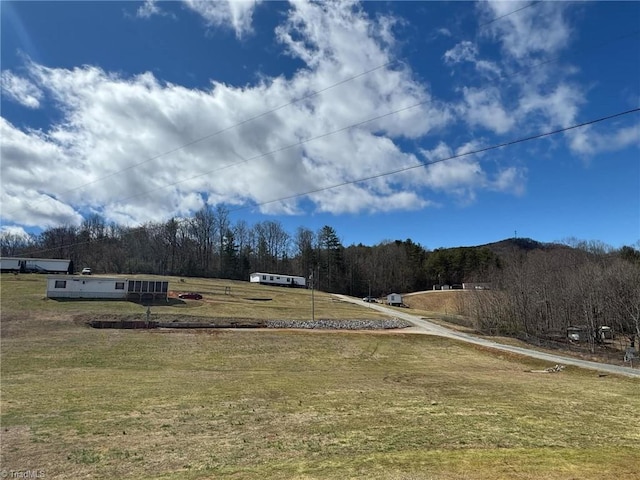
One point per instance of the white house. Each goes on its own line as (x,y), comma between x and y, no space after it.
(394,299)
(71,286)
(277,279)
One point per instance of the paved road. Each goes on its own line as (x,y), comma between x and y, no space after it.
(421,326)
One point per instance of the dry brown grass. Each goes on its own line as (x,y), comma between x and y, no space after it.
(438,301)
(84,403)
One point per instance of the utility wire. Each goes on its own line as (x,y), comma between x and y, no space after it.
(245,160)
(507,14)
(223,130)
(452,157)
(404,169)
(342,129)
(280,149)
(243,122)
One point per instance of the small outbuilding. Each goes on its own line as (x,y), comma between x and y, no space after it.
(394,299)
(578,334)
(605,333)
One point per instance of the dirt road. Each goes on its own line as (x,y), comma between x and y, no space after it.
(421,326)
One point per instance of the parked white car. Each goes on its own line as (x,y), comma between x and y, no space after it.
(86,271)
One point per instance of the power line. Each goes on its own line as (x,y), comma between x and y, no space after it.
(507,14)
(342,129)
(280,149)
(302,142)
(243,122)
(223,130)
(452,157)
(404,169)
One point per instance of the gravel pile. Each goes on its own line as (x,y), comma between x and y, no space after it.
(339,324)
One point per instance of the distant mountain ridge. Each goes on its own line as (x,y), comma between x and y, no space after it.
(509,245)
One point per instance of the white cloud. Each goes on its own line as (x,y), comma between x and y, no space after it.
(351,199)
(237,14)
(467,51)
(483,107)
(590,141)
(148,9)
(540,29)
(36,209)
(559,106)
(464,51)
(511,180)
(456,175)
(20,89)
(114,127)
(464,176)
(104,151)
(14,231)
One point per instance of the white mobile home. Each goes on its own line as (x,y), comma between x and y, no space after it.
(394,299)
(9,264)
(277,279)
(34,265)
(71,286)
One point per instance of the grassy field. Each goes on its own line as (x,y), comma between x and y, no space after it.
(436,302)
(221,299)
(84,403)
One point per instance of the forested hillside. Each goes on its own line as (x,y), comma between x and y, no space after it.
(540,292)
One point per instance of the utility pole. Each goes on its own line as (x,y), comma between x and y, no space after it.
(313,306)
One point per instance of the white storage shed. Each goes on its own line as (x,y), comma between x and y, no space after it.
(394,299)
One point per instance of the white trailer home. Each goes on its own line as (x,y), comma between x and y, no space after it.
(67,286)
(71,286)
(394,299)
(277,279)
(9,264)
(34,265)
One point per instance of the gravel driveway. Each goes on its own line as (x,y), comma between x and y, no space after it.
(421,326)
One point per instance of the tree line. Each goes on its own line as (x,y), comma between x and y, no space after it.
(209,244)
(538,294)
(536,289)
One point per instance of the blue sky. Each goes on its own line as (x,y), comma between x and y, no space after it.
(141,111)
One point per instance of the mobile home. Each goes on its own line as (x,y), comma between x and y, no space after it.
(71,286)
(34,265)
(9,264)
(277,279)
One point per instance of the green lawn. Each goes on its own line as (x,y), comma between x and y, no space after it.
(84,403)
